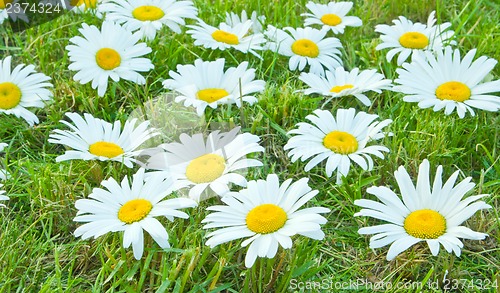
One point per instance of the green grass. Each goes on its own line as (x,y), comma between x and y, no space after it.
(38,252)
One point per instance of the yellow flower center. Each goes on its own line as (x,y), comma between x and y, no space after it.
(89,4)
(105,149)
(147,12)
(211,95)
(266,218)
(414,40)
(108,58)
(453,90)
(341,142)
(205,168)
(4,2)
(10,95)
(425,224)
(134,210)
(225,37)
(305,47)
(331,19)
(338,88)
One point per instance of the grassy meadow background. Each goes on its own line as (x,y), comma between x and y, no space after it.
(38,252)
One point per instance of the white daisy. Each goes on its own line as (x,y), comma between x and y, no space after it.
(85,6)
(434,216)
(227,36)
(331,16)
(200,164)
(112,52)
(337,140)
(306,46)
(10,9)
(3,173)
(3,11)
(444,80)
(406,37)
(20,88)
(267,214)
(131,208)
(95,139)
(207,84)
(341,83)
(232,19)
(149,16)
(2,197)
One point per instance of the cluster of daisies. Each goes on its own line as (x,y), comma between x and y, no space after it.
(266,212)
(435,77)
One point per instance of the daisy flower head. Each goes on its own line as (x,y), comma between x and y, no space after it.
(95,139)
(131,208)
(207,84)
(339,140)
(84,6)
(8,10)
(267,214)
(112,52)
(21,88)
(444,80)
(227,36)
(341,83)
(424,214)
(4,13)
(306,46)
(232,19)
(332,16)
(3,173)
(149,16)
(2,197)
(208,165)
(406,37)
